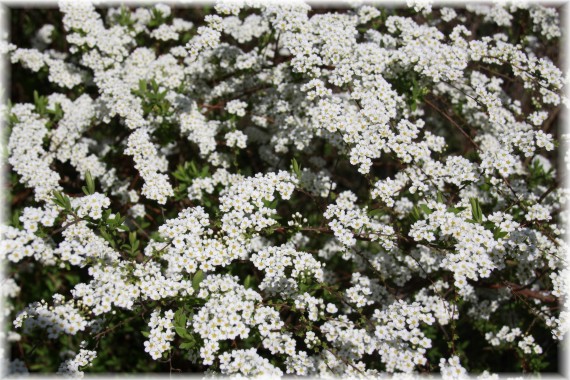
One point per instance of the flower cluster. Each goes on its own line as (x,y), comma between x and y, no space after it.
(70,368)
(348,218)
(451,368)
(61,318)
(160,334)
(274,261)
(506,335)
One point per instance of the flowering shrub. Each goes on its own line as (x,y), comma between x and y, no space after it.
(272,189)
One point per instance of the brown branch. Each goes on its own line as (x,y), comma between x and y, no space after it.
(77,220)
(545,194)
(521,290)
(102,333)
(452,122)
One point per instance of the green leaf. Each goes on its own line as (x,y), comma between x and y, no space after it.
(187,345)
(193,169)
(296,168)
(90,182)
(180,318)
(107,237)
(204,172)
(146,334)
(425,209)
(180,174)
(61,200)
(476,210)
(415,214)
(197,279)
(414,104)
(440,198)
(124,18)
(41,103)
(375,211)
(142,87)
(16,219)
(272,205)
(182,332)
(500,234)
(303,287)
(248,282)
(455,210)
(50,286)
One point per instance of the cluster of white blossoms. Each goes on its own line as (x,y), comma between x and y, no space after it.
(236,107)
(28,157)
(227,314)
(149,164)
(506,335)
(263,189)
(160,334)
(475,248)
(317,183)
(365,291)
(247,363)
(236,139)
(451,368)
(274,261)
(70,368)
(348,219)
(18,244)
(91,205)
(244,203)
(61,318)
(401,344)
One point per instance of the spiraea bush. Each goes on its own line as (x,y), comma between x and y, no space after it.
(268,189)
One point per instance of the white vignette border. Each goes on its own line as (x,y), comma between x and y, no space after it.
(564,168)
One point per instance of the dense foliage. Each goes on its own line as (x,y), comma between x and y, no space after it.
(267,188)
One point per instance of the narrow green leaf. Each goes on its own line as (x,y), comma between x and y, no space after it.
(187,345)
(182,332)
(142,87)
(61,200)
(90,182)
(425,209)
(197,279)
(296,168)
(375,211)
(204,172)
(248,282)
(193,169)
(440,198)
(415,214)
(16,219)
(500,234)
(476,210)
(180,318)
